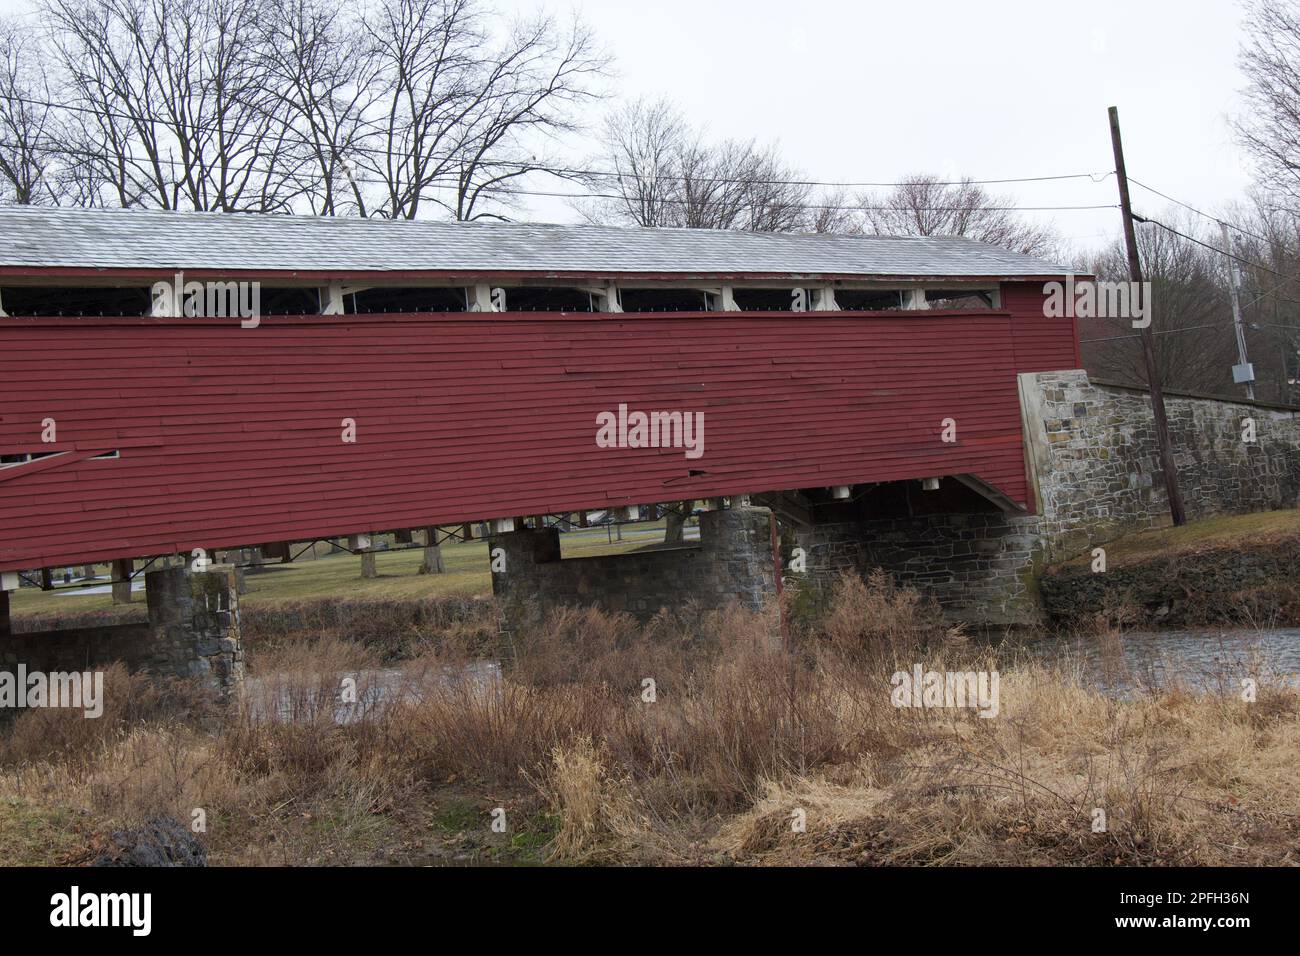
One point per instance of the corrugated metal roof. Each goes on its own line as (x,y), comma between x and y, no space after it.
(40,237)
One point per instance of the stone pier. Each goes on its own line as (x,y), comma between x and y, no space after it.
(731,564)
(194,619)
(978,566)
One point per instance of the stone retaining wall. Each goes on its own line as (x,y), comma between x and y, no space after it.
(193,631)
(1093,458)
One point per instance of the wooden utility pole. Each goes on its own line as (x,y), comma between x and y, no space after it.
(1148,340)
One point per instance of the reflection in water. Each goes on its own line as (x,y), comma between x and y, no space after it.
(351,697)
(1116,664)
(1214,660)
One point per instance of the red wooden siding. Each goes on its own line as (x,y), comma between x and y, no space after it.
(231,436)
(1042,344)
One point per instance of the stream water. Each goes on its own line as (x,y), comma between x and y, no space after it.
(1201,659)
(1215,660)
(295,700)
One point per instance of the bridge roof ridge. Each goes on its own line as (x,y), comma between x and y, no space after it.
(37,238)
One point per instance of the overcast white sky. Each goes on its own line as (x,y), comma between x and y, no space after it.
(870,91)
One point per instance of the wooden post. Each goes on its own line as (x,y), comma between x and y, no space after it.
(432,553)
(368,569)
(362,544)
(1165,446)
(122,570)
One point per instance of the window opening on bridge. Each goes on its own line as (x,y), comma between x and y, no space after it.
(768,300)
(663,300)
(289,300)
(76,300)
(413,299)
(10,461)
(869,300)
(547,299)
(959,299)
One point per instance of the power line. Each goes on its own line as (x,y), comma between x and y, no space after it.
(1138,335)
(813,206)
(1245,232)
(1272,291)
(1272,295)
(615,175)
(1095,177)
(1179,202)
(1212,248)
(518,191)
(1189,328)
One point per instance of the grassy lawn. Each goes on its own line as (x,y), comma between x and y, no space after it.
(34,835)
(1207,533)
(339,575)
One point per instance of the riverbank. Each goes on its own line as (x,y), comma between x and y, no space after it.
(1241,571)
(689,741)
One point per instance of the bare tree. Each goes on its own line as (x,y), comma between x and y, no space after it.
(323,78)
(1190,314)
(1270,59)
(29,125)
(457,105)
(392,108)
(1267,232)
(171,106)
(1266,237)
(642,143)
(834,212)
(658,170)
(925,205)
(530,95)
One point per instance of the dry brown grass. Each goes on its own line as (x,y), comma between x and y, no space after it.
(1182,780)
(741,733)
(129,701)
(394,629)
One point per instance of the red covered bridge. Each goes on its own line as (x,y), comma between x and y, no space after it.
(472,362)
